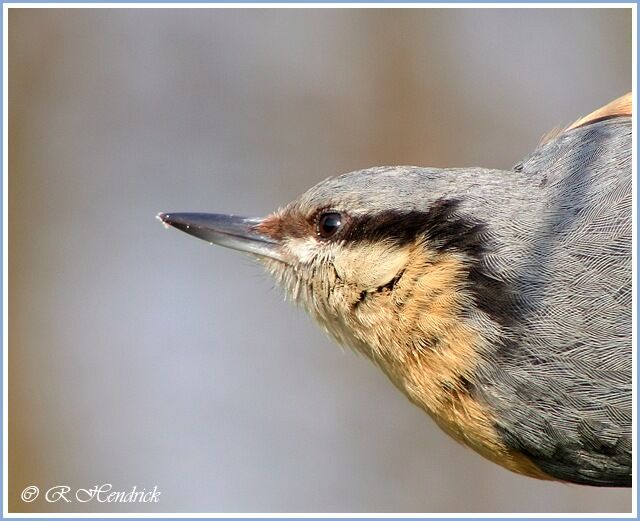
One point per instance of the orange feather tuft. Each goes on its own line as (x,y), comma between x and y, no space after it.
(621,107)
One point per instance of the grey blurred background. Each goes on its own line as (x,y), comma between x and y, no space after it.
(142,356)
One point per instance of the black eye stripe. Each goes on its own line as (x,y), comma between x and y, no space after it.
(441,225)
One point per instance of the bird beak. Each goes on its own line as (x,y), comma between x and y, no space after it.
(230,231)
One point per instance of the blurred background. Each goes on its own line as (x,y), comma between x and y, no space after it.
(142,356)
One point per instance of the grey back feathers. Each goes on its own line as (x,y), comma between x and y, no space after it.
(568,365)
(553,252)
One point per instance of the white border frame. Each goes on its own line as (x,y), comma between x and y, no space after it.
(381,5)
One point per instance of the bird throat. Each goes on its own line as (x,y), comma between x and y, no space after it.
(415,330)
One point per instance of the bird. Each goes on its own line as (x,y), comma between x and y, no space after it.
(499,302)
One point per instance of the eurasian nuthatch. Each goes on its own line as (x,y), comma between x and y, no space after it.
(498,301)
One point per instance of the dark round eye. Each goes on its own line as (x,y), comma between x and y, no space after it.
(328,224)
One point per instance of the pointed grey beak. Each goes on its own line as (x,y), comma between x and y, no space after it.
(230,231)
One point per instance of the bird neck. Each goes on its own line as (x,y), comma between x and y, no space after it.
(429,338)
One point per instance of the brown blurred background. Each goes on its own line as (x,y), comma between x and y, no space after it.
(141,356)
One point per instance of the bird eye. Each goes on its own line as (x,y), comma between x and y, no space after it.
(328,224)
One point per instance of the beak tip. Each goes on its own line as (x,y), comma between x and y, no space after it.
(164,218)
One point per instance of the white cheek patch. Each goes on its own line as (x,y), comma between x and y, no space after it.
(370,265)
(304,250)
(365,265)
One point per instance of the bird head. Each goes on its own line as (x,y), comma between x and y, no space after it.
(376,259)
